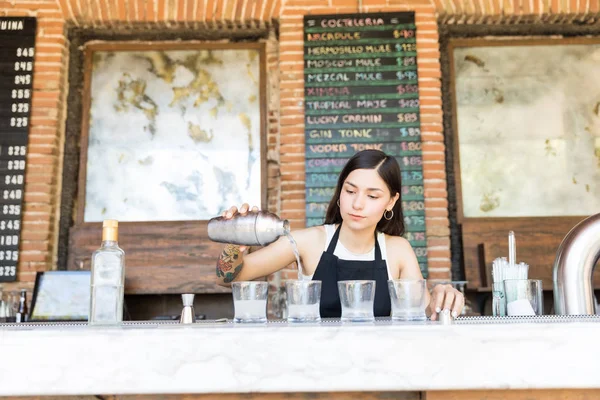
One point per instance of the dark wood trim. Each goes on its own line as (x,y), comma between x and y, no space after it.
(491,42)
(523,220)
(490,394)
(455,148)
(171,257)
(85,132)
(405,395)
(263,125)
(170,45)
(459,31)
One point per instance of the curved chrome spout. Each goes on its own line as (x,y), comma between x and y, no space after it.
(574,265)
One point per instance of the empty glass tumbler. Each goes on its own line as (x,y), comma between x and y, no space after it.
(250,301)
(303,300)
(523,297)
(498,300)
(357,299)
(408,298)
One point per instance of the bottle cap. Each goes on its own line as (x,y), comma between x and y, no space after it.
(110,229)
(110,223)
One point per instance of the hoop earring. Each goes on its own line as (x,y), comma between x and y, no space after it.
(391,215)
(338,203)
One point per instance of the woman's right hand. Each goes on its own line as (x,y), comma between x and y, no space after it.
(243,210)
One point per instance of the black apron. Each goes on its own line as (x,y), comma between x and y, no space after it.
(331,269)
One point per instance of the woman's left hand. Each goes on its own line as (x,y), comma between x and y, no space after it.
(445,297)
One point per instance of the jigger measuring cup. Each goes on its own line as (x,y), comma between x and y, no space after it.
(187,314)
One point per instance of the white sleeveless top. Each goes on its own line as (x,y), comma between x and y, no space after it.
(343,253)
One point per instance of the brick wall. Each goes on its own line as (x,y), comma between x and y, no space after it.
(286,140)
(42,179)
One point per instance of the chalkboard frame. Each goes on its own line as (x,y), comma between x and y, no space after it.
(380,50)
(475,242)
(19,35)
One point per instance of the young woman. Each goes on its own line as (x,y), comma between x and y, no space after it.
(361,239)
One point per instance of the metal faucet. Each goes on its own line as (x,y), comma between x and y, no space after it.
(574,265)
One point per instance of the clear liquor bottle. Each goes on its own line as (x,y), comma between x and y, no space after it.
(22,315)
(108,278)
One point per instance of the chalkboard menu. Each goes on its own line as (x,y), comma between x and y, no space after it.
(361,92)
(17,43)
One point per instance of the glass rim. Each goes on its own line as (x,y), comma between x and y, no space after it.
(357,281)
(295,281)
(258,283)
(521,280)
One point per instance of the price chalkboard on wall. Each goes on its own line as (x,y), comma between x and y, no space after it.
(361,92)
(17,44)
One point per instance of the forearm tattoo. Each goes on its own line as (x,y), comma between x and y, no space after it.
(226,261)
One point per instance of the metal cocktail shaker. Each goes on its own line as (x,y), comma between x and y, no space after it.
(256,228)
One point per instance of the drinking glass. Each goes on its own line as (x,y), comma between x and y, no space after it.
(3,308)
(357,299)
(250,301)
(498,300)
(10,306)
(523,297)
(408,297)
(303,300)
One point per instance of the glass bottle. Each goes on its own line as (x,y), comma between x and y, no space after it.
(108,278)
(21,315)
(11,306)
(498,300)
(256,228)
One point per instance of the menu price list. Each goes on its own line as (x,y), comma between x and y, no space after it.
(17,50)
(361,92)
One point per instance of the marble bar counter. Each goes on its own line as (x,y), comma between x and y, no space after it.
(212,357)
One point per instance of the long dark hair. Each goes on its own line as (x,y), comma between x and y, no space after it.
(389,171)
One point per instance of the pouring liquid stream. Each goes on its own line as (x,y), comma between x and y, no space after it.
(301,275)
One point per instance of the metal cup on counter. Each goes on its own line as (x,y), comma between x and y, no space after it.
(187,314)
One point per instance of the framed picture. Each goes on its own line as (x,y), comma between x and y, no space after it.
(61,296)
(522,126)
(527,116)
(172,131)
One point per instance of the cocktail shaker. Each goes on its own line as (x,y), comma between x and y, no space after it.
(256,228)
